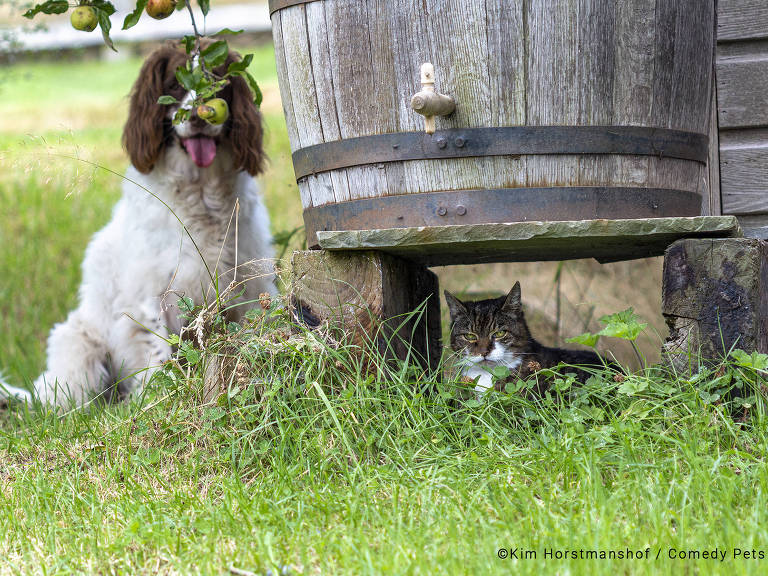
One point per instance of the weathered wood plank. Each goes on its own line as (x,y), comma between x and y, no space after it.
(744,176)
(754,225)
(506,62)
(550,79)
(285,84)
(457,34)
(366,293)
(744,170)
(506,79)
(604,240)
(711,200)
(693,59)
(748,203)
(324,89)
(665,27)
(633,80)
(322,78)
(298,63)
(594,80)
(742,85)
(714,298)
(362,84)
(411,46)
(742,19)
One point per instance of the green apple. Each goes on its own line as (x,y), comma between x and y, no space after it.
(215,111)
(159,9)
(84,18)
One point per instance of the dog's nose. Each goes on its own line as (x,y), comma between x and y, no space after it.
(196,121)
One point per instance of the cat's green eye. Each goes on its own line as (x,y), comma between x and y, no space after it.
(500,334)
(469,337)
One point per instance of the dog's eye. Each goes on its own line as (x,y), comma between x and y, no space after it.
(176,91)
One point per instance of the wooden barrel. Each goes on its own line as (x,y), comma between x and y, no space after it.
(565,109)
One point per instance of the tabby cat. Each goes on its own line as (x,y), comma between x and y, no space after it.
(489,333)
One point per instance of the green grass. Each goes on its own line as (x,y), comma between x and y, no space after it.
(309,460)
(313,460)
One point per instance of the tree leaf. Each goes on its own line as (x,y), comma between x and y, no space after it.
(185,77)
(49,7)
(165,99)
(241,65)
(133,18)
(215,54)
(104,5)
(189,43)
(258,97)
(227,32)
(105,25)
(205,5)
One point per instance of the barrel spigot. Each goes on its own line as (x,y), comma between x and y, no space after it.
(429,103)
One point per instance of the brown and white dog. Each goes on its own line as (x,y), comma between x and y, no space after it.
(172,229)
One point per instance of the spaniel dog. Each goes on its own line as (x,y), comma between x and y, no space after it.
(190,216)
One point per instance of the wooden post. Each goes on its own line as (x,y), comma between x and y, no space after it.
(714,298)
(367,293)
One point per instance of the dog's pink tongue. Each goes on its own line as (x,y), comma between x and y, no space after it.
(201,149)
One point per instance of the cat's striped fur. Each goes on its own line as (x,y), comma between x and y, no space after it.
(493,332)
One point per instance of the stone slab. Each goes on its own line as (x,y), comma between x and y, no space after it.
(604,240)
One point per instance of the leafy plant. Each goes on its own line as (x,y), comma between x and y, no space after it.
(625,325)
(198,74)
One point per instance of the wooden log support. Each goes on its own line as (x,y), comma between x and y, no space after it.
(714,298)
(367,294)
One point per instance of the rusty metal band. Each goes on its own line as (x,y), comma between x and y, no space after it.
(275,5)
(498,206)
(500,141)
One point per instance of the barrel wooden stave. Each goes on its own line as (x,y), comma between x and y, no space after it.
(354,66)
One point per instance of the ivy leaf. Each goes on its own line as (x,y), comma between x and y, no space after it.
(586,339)
(165,99)
(625,325)
(205,5)
(215,54)
(49,7)
(133,18)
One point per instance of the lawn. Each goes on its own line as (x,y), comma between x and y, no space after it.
(315,461)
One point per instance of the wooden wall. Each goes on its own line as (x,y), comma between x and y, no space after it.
(742,102)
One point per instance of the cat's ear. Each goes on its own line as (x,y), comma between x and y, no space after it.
(455,306)
(513,303)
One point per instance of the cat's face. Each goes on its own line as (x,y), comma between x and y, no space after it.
(489,332)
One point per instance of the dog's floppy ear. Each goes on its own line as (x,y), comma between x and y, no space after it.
(245,129)
(143,134)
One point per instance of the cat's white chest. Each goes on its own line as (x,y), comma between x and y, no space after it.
(482,373)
